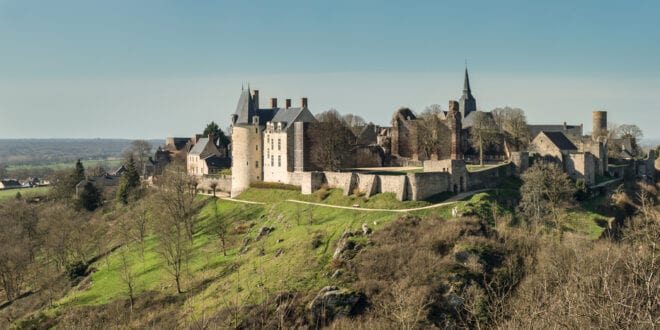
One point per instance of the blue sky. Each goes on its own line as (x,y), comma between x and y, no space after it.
(150,69)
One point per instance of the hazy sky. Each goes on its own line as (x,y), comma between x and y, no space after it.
(150,69)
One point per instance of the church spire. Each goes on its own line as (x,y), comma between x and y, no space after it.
(466,83)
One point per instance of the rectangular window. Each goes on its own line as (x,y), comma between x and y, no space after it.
(272,144)
(257,147)
(279,144)
(256,164)
(272,160)
(279,161)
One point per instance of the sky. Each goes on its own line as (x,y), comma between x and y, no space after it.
(151,69)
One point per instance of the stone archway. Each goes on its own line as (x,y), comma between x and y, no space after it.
(455,188)
(461,185)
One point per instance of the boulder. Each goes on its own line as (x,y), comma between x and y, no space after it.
(365,229)
(332,301)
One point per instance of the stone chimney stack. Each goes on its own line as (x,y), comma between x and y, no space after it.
(255,98)
(303,103)
(273,103)
(288,103)
(453,106)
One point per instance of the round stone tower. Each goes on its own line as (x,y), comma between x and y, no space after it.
(246,155)
(599,124)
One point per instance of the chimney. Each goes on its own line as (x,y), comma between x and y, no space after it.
(197,137)
(273,103)
(453,106)
(288,103)
(255,98)
(303,103)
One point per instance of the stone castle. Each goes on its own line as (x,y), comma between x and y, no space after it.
(272,144)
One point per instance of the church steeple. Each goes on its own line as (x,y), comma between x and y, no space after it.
(467,103)
(466,83)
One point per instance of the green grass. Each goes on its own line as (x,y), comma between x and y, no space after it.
(216,280)
(330,197)
(25,192)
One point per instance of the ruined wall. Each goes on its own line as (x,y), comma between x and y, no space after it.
(368,156)
(581,166)
(520,161)
(424,185)
(489,178)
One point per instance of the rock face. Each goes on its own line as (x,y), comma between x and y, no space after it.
(343,245)
(332,301)
(264,231)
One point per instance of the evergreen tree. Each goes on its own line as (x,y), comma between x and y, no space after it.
(129,182)
(90,197)
(219,137)
(78,173)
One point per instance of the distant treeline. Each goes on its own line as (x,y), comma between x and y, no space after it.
(20,152)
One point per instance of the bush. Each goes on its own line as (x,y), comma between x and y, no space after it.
(76,270)
(273,185)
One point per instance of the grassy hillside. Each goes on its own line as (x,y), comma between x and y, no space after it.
(294,259)
(25,192)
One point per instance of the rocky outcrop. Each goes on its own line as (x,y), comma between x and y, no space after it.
(332,301)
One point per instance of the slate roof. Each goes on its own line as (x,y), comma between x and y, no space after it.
(10,183)
(291,115)
(199,146)
(560,140)
(214,162)
(534,129)
(245,108)
(179,142)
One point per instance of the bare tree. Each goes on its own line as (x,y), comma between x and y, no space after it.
(513,123)
(546,188)
(332,141)
(483,133)
(173,208)
(140,150)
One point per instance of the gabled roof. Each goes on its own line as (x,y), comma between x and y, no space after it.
(9,183)
(560,140)
(291,115)
(199,147)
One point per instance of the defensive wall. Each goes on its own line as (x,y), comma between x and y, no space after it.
(410,186)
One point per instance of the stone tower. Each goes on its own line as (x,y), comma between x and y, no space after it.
(467,102)
(599,124)
(455,127)
(246,137)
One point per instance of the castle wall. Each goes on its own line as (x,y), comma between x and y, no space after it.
(341,180)
(489,178)
(425,185)
(367,184)
(581,166)
(223,183)
(393,184)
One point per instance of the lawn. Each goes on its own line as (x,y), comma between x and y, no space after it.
(25,192)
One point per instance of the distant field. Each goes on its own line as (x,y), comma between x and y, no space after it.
(25,192)
(108,164)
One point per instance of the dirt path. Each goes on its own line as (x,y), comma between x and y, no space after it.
(448,202)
